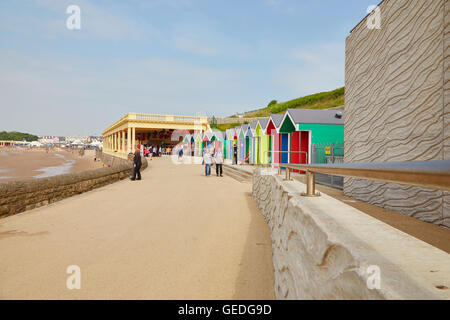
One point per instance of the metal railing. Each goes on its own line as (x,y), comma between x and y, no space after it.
(426,174)
(266,156)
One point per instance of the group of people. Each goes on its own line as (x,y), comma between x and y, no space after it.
(156,151)
(209,158)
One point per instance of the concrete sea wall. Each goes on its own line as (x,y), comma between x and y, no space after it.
(325,249)
(397,102)
(19,196)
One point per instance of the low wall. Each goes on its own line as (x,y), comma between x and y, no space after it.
(325,249)
(111,160)
(19,196)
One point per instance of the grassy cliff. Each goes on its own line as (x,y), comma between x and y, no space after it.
(322,100)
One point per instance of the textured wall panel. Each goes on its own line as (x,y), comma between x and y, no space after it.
(397,102)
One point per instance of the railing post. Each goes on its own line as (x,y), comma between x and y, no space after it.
(288,174)
(310,185)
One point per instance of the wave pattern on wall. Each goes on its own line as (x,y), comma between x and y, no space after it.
(397,102)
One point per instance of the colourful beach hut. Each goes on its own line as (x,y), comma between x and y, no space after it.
(306,127)
(206,140)
(187,143)
(249,145)
(253,142)
(242,142)
(229,143)
(272,130)
(198,138)
(217,140)
(264,142)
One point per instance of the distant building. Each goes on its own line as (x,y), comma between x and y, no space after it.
(48,140)
(83,139)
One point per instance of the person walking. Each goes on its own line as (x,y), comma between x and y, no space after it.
(137,163)
(235,154)
(218,159)
(207,160)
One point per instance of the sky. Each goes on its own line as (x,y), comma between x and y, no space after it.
(181,57)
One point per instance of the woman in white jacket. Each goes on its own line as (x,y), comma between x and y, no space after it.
(207,160)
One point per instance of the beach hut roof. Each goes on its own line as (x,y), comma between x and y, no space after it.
(198,136)
(277,119)
(263,122)
(308,116)
(253,125)
(207,136)
(218,134)
(250,132)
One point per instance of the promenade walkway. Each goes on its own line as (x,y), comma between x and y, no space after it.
(174,235)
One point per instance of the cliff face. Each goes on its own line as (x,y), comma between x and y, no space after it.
(397,102)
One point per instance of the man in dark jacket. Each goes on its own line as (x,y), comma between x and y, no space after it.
(137,163)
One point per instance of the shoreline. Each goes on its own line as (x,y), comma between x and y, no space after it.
(20,165)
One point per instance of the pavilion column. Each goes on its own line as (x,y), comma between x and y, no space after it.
(129,140)
(133,138)
(119,146)
(115,141)
(123,141)
(119,142)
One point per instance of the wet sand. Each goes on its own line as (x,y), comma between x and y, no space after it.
(16,164)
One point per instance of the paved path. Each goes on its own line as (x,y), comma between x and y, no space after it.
(174,235)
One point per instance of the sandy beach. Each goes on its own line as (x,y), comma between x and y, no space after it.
(17,164)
